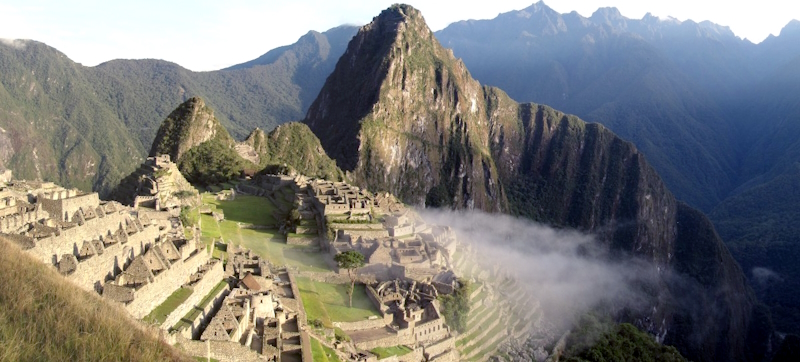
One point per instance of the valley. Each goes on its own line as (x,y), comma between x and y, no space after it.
(374,193)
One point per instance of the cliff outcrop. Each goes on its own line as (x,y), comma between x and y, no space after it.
(402,114)
(206,153)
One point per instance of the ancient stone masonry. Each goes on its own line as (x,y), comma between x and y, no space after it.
(94,242)
(338,198)
(261,312)
(411,315)
(152,276)
(156,184)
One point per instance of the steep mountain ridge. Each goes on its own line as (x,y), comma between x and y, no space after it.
(207,154)
(634,76)
(87,127)
(402,114)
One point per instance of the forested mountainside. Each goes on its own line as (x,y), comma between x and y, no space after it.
(206,154)
(87,127)
(716,115)
(400,113)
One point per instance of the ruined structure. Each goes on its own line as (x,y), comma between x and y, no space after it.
(339,198)
(156,184)
(411,316)
(132,257)
(261,312)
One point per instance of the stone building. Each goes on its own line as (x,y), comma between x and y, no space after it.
(411,314)
(339,198)
(261,313)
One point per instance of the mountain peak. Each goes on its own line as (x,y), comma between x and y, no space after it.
(537,8)
(609,16)
(189,125)
(792,28)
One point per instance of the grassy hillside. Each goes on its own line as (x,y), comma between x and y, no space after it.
(45,318)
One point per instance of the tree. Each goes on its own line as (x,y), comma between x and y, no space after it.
(350,260)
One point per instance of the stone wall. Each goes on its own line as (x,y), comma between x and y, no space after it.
(450,356)
(151,295)
(49,249)
(219,350)
(302,320)
(97,268)
(14,221)
(63,209)
(193,331)
(431,331)
(210,279)
(360,325)
(386,342)
(301,239)
(440,346)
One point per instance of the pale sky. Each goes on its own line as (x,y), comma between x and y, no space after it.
(212,34)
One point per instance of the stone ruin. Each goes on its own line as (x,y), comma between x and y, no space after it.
(411,316)
(258,313)
(103,246)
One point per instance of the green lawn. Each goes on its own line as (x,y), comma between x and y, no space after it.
(245,208)
(391,351)
(322,353)
(329,302)
(267,243)
(159,314)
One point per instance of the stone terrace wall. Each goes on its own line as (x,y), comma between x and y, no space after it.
(360,325)
(413,356)
(387,342)
(219,350)
(210,279)
(151,295)
(440,346)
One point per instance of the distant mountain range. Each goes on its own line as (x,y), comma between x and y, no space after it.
(717,116)
(87,127)
(400,113)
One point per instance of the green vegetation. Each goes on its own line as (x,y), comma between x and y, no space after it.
(45,318)
(328,302)
(386,352)
(245,209)
(322,353)
(160,313)
(267,243)
(350,260)
(595,339)
(456,306)
(189,216)
(211,163)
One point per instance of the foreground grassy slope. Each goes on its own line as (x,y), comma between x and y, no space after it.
(45,318)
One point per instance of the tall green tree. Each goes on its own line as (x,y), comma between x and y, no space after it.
(350,260)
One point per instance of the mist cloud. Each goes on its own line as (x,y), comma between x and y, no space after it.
(14,43)
(567,271)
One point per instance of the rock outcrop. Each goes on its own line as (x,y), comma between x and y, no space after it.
(206,153)
(189,125)
(402,114)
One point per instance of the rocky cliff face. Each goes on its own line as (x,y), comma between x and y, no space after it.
(401,114)
(189,125)
(206,153)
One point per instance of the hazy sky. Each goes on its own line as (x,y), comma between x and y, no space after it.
(207,35)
